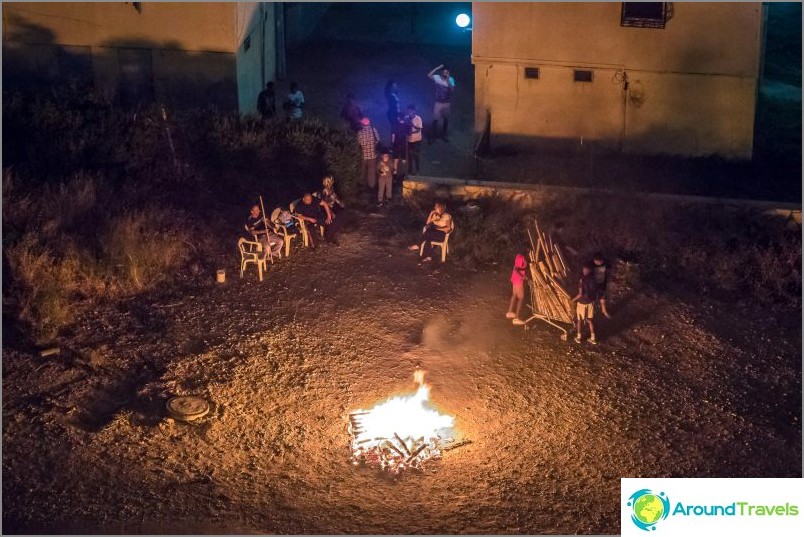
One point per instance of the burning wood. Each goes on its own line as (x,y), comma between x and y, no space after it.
(403,432)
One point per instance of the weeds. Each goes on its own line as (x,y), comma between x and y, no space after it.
(144,247)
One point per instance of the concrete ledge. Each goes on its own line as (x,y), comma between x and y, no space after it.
(530,194)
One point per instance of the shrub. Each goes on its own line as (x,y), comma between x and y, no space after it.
(43,285)
(289,157)
(145,246)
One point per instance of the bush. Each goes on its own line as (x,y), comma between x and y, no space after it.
(289,157)
(145,246)
(43,287)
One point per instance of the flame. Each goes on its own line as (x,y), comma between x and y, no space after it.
(403,431)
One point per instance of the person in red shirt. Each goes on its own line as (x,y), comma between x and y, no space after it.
(518,277)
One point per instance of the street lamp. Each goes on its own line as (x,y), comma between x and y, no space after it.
(463,20)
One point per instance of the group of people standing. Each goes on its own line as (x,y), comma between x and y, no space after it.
(293,103)
(382,162)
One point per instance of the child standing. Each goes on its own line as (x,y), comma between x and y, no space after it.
(587,294)
(601,272)
(385,178)
(518,277)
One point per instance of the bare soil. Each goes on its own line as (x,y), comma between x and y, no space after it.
(680,386)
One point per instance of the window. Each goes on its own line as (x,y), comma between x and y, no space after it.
(582,75)
(644,14)
(532,72)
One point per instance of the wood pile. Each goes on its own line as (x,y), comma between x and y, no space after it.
(550,300)
(394,454)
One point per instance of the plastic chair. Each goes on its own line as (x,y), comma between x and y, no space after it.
(444,245)
(282,230)
(251,252)
(270,250)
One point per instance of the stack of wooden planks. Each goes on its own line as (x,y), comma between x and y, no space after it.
(550,301)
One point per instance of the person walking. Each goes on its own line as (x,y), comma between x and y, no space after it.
(294,103)
(415,126)
(266,101)
(368,137)
(444,88)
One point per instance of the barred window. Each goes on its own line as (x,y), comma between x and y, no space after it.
(644,14)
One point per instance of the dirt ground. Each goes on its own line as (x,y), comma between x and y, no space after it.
(679,386)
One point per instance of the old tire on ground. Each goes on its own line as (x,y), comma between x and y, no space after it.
(187,407)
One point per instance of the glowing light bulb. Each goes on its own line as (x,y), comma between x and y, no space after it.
(462,20)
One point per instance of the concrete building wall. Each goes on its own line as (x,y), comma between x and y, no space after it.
(691,86)
(256,63)
(184,54)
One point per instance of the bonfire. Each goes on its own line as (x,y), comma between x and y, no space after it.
(403,432)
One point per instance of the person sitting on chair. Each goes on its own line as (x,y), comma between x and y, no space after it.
(255,224)
(318,214)
(329,195)
(438,224)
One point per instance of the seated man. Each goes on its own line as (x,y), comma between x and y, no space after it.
(438,224)
(318,213)
(255,224)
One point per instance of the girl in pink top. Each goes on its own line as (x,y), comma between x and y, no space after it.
(518,277)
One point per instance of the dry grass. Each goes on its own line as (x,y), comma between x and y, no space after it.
(65,246)
(145,248)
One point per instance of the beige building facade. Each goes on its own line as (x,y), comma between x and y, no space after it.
(184,53)
(660,78)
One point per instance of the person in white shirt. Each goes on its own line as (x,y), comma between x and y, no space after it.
(444,88)
(415,125)
(295,102)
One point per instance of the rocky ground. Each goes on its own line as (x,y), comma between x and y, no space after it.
(680,386)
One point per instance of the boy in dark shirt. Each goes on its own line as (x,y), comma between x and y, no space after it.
(600,269)
(587,294)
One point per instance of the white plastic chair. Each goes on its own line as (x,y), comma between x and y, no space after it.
(270,253)
(251,252)
(444,245)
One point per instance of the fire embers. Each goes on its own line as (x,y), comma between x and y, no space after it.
(403,432)
(393,454)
